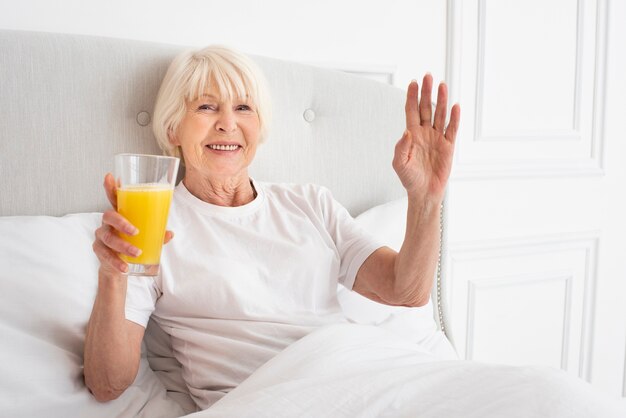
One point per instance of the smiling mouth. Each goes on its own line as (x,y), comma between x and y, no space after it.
(224,147)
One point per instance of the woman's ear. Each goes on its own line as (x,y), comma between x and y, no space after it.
(171,135)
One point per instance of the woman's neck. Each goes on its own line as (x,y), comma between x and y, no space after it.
(227,191)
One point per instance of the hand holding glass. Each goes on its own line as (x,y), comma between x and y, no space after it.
(145,184)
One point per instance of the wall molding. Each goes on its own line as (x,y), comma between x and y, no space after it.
(523,245)
(600,73)
(486,169)
(624,382)
(567,134)
(588,162)
(474,286)
(505,248)
(454,17)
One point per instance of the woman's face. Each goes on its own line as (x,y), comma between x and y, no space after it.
(218,137)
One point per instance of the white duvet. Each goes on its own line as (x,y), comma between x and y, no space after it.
(352,370)
(341,371)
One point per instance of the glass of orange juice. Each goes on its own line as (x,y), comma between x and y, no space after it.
(145,184)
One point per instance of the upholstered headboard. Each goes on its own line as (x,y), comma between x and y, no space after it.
(69,103)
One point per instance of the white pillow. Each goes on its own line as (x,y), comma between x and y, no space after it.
(48,282)
(387,223)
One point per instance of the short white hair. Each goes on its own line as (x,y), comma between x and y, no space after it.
(192,73)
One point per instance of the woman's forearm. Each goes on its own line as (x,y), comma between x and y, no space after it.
(416,262)
(111,358)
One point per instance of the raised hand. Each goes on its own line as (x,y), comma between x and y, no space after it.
(423,156)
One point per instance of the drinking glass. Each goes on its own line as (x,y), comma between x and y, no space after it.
(145,185)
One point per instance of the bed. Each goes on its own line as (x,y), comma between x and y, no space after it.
(70,103)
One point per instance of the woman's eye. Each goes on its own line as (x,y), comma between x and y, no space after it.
(243,107)
(206,107)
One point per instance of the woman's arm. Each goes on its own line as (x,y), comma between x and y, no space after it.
(422,161)
(405,278)
(112,343)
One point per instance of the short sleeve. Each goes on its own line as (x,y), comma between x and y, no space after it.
(353,243)
(141,296)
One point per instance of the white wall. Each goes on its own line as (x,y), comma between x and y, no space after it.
(408,35)
(535,217)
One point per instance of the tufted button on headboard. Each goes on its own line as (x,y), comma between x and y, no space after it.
(143,118)
(309,115)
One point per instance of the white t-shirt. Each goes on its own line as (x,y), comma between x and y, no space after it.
(239,284)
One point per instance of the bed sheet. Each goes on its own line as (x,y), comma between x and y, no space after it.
(353,370)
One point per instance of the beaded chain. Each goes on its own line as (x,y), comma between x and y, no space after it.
(439,308)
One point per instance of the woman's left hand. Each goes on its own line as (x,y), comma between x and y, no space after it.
(423,156)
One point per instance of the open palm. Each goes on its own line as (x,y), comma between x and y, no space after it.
(423,156)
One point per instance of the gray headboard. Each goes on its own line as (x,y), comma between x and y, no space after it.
(69,103)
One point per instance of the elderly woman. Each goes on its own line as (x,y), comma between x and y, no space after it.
(254,266)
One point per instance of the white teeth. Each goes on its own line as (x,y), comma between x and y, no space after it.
(224,147)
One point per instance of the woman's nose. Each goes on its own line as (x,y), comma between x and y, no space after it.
(226,122)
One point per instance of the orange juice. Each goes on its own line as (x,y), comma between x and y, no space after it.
(146,207)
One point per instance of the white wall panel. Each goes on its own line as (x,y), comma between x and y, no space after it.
(527,85)
(524,301)
(528,318)
(535,88)
(540,154)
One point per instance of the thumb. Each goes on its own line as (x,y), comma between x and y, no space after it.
(168,236)
(111,189)
(403,148)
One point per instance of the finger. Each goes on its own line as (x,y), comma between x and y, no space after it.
(112,225)
(111,189)
(168,237)
(410,108)
(453,126)
(109,237)
(425,105)
(108,256)
(118,222)
(442,108)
